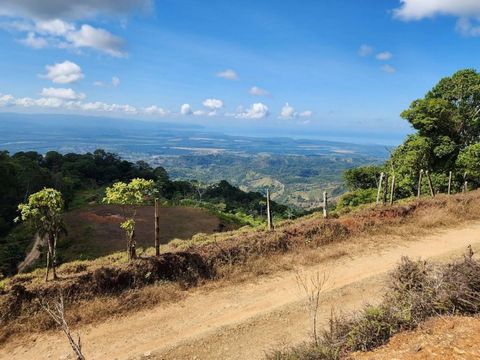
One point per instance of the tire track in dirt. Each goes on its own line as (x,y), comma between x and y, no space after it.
(242,321)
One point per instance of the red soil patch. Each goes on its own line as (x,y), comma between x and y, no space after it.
(438,338)
(95,231)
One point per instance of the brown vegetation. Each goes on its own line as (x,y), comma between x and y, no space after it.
(416,291)
(109,285)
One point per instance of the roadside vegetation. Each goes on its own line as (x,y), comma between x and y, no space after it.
(416,291)
(447,139)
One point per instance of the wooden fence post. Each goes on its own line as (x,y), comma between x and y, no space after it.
(385,190)
(465,183)
(419,190)
(269,212)
(379,187)
(157,227)
(392,190)
(430,185)
(450,183)
(325,205)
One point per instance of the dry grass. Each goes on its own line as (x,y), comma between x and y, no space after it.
(109,286)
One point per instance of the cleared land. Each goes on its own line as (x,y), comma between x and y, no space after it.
(242,321)
(95,231)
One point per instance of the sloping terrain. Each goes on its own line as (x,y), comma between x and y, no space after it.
(439,338)
(95,231)
(242,321)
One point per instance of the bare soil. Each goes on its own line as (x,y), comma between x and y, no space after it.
(244,320)
(455,338)
(95,231)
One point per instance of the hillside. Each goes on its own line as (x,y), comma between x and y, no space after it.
(94,231)
(245,279)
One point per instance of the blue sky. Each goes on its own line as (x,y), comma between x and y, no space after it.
(305,68)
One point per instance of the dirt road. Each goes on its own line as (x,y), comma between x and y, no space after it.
(33,255)
(242,321)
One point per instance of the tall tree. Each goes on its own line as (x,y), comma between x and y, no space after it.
(44,211)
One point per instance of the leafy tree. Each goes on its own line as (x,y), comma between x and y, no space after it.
(44,211)
(468,162)
(130,195)
(364,177)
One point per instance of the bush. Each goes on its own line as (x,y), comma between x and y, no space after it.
(416,291)
(358,197)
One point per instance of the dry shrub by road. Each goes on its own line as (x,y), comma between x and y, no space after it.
(101,288)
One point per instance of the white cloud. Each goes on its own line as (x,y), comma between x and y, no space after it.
(199,112)
(213,104)
(72,9)
(34,41)
(256,91)
(55,27)
(98,83)
(365,50)
(155,110)
(419,9)
(228,74)
(186,109)
(255,111)
(386,55)
(64,35)
(62,93)
(288,112)
(466,28)
(6,100)
(64,73)
(96,38)
(306,113)
(115,81)
(389,69)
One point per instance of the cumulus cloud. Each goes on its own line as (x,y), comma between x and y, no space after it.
(389,69)
(96,38)
(464,10)
(419,9)
(62,93)
(199,112)
(72,9)
(186,109)
(64,35)
(255,111)
(34,41)
(287,112)
(256,91)
(365,50)
(386,55)
(466,28)
(228,74)
(115,81)
(63,73)
(213,105)
(155,110)
(306,113)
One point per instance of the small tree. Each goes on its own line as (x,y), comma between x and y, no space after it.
(130,195)
(44,211)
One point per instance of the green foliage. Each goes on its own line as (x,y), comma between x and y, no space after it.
(469,161)
(447,121)
(356,198)
(136,192)
(44,211)
(363,177)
